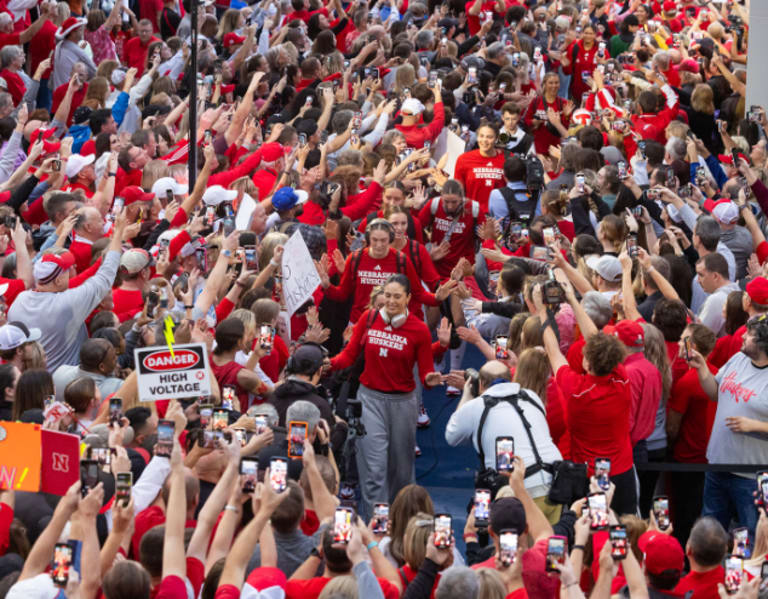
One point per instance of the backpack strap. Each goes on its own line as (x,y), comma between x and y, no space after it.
(403,578)
(413,251)
(356,257)
(491,402)
(400,264)
(411,227)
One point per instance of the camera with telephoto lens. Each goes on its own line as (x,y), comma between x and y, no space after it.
(474,376)
(534,172)
(552,291)
(354,418)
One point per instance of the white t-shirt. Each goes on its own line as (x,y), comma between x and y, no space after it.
(742,391)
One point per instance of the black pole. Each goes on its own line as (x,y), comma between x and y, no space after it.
(192,154)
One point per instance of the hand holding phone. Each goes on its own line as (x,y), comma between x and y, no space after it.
(297,432)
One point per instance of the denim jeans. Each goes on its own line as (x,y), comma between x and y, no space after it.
(44,95)
(727,497)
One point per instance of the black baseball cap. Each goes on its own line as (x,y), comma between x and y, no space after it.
(507,513)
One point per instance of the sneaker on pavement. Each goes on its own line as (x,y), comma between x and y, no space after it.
(423,421)
(346,492)
(417,451)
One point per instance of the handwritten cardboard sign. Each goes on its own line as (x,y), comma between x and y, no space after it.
(20,456)
(300,278)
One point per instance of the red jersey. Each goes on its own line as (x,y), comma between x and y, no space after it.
(645,389)
(703,584)
(473,21)
(698,414)
(581,66)
(362,274)
(597,414)
(390,353)
(480,175)
(460,231)
(82,250)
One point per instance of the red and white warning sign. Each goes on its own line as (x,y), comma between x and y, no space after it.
(162,375)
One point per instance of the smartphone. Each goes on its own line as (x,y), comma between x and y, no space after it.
(278,474)
(482,507)
(206,413)
(115,410)
(164,438)
(251,257)
(555,553)
(580,182)
(117,205)
(763,576)
(62,562)
(227,399)
(602,473)
(208,136)
(619,546)
(735,155)
(741,543)
(632,246)
(549,235)
(380,524)
(249,470)
(302,139)
(220,419)
(201,256)
(432,80)
(89,476)
(443,532)
(505,454)
(102,455)
(266,336)
(501,344)
(671,179)
(261,424)
(507,547)
(56,165)
(734,572)
(598,511)
(472,72)
(622,168)
(661,511)
(687,348)
(297,432)
(169,195)
(123,486)
(342,525)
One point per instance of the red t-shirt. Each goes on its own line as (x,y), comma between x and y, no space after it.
(480,175)
(703,584)
(462,238)
(15,287)
(645,390)
(678,365)
(171,587)
(304,15)
(311,589)
(698,411)
(390,353)
(126,179)
(9,39)
(597,413)
(473,21)
(42,44)
(83,253)
(149,518)
(77,100)
(128,302)
(135,53)
(149,9)
(272,364)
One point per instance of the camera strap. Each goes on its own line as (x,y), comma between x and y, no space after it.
(551,322)
(491,402)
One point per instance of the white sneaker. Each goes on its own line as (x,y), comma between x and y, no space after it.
(423,421)
(452,391)
(417,451)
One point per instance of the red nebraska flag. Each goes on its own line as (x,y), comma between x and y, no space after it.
(61,462)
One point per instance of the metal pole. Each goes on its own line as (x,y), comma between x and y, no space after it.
(192,154)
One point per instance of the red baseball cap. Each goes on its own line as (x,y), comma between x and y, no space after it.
(669,6)
(51,266)
(232,39)
(757,290)
(728,159)
(48,146)
(134,193)
(662,552)
(629,333)
(272,151)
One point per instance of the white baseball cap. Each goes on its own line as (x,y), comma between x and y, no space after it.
(163,184)
(608,267)
(216,194)
(726,212)
(78,162)
(412,106)
(14,334)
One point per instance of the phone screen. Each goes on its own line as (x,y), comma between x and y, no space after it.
(266,336)
(598,511)
(342,525)
(661,511)
(115,409)
(227,400)
(507,548)
(297,432)
(555,553)
(602,473)
(62,562)
(164,438)
(505,454)
(123,486)
(89,475)
(619,547)
(443,532)
(249,470)
(278,474)
(741,542)
(734,570)
(482,506)
(103,455)
(206,413)
(380,518)
(220,419)
(502,343)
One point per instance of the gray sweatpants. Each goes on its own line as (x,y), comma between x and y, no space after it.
(385,458)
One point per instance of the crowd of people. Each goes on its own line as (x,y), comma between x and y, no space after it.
(576,188)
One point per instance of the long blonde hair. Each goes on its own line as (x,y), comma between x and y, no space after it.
(656,353)
(702,99)
(415,540)
(532,372)
(491,584)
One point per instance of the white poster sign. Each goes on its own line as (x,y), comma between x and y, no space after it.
(165,376)
(300,278)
